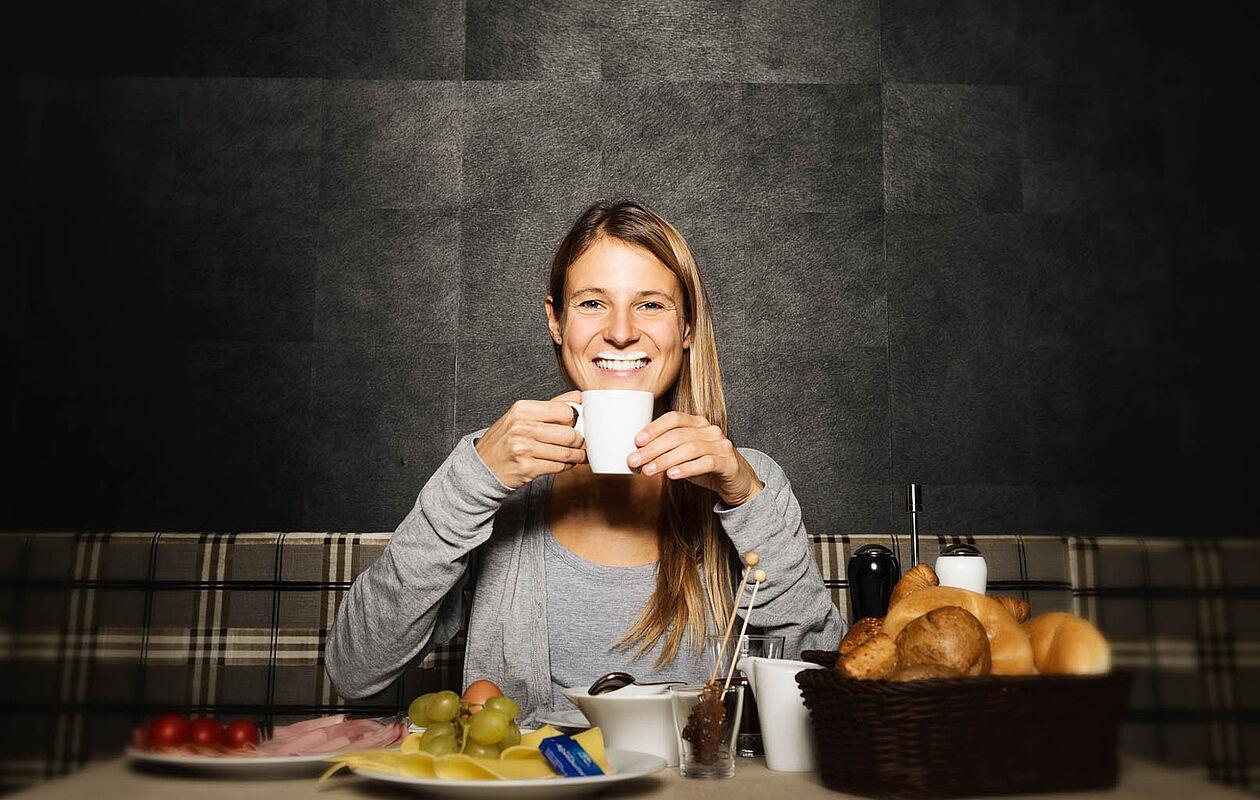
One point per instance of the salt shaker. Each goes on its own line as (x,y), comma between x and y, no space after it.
(962,566)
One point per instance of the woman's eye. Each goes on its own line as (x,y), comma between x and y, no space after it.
(589,304)
(652,306)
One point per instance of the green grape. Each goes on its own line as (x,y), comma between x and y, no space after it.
(487,727)
(437,729)
(481,750)
(505,706)
(511,739)
(417,712)
(440,745)
(443,707)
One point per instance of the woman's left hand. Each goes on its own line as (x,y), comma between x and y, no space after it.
(684,446)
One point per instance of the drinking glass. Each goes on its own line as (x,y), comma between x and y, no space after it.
(706,731)
(748,742)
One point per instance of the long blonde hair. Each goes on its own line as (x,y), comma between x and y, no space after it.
(693,577)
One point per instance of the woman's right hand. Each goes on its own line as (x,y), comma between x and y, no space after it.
(534,437)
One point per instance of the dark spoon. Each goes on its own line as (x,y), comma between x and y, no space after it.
(620,680)
(611,683)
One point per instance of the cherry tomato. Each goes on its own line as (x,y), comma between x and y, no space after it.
(206,732)
(240,733)
(169,730)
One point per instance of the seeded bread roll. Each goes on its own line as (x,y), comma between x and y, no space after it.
(947,636)
(1009,647)
(861,630)
(873,659)
(920,576)
(1065,644)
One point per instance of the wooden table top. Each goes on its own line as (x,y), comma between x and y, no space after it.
(1140,780)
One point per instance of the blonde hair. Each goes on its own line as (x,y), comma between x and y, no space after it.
(693,577)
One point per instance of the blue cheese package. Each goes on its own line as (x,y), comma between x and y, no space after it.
(568,758)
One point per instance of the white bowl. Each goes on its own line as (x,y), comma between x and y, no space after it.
(635,718)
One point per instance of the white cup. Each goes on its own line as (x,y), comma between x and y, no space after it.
(785,732)
(608,419)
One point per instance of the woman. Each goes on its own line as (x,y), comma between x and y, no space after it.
(578,574)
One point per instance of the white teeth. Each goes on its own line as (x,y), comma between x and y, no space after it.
(620,365)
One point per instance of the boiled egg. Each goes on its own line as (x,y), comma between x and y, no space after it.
(477,693)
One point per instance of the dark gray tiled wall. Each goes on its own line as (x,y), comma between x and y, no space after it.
(270,259)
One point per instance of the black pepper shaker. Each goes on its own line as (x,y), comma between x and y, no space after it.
(873,571)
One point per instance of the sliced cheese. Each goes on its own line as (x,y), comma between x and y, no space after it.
(458,767)
(417,765)
(520,762)
(532,739)
(522,752)
(592,741)
(411,744)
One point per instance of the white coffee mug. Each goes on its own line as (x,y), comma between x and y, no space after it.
(785,731)
(609,419)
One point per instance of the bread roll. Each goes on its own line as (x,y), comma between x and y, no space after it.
(873,659)
(920,576)
(1019,608)
(948,636)
(1008,644)
(862,630)
(920,672)
(1065,644)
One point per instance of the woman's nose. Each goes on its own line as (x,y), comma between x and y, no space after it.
(621,329)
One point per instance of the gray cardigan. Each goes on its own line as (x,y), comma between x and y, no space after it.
(411,599)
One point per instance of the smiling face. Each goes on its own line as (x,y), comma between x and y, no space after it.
(621,323)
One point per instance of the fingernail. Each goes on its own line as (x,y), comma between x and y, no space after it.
(633,460)
(650,469)
(640,438)
(674,473)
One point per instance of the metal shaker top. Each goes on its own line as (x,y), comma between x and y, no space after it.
(961,549)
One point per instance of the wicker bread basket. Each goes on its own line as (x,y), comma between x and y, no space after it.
(962,737)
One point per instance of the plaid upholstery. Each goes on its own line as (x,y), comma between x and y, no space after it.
(101,630)
(98,631)
(1184,616)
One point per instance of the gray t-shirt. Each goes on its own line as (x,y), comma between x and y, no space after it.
(589,607)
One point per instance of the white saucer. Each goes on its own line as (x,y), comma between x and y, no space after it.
(573,718)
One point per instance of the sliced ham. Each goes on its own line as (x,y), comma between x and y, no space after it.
(356,734)
(306,725)
(309,743)
(311,737)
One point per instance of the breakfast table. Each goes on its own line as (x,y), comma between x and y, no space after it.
(117,778)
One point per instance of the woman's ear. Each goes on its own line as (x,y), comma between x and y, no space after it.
(687,337)
(552,323)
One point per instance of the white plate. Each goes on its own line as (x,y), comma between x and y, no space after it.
(413,728)
(253,765)
(627,763)
(573,718)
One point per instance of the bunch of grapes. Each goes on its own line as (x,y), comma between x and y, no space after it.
(452,727)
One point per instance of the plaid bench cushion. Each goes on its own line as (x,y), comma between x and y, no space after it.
(99,630)
(1184,617)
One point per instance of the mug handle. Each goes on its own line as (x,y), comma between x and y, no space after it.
(580,419)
